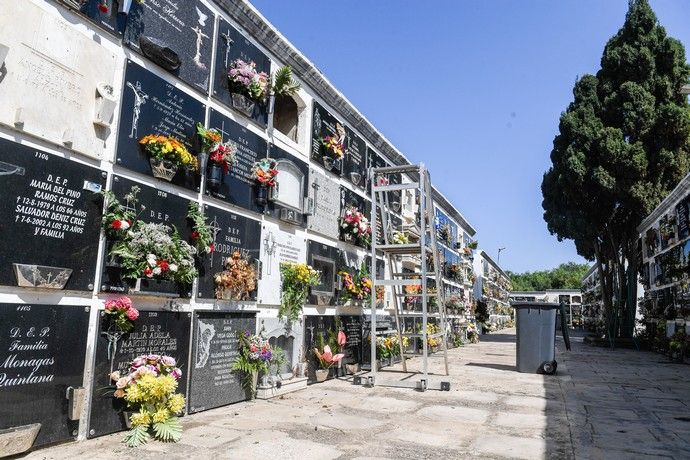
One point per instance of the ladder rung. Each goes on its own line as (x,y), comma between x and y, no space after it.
(400,248)
(419,314)
(421,336)
(396,187)
(396,169)
(396,282)
(431,294)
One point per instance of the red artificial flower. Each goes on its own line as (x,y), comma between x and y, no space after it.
(148,272)
(163,264)
(212,248)
(129,221)
(195,235)
(117,224)
(103,8)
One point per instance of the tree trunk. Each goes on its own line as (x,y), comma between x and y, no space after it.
(606,290)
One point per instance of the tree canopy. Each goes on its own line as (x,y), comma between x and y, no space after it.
(623,144)
(565,276)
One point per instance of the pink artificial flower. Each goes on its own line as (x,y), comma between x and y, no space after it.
(119,393)
(342,339)
(121,383)
(177,373)
(125,302)
(132,314)
(153,358)
(138,362)
(168,361)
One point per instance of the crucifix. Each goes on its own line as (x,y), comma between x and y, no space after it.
(269,249)
(228,43)
(216,229)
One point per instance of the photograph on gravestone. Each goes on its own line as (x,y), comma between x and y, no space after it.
(287,198)
(277,246)
(238,187)
(328,140)
(152,106)
(325,194)
(352,326)
(56,209)
(110,15)
(215,345)
(317,329)
(323,258)
(155,332)
(42,351)
(231,45)
(149,205)
(56,82)
(355,164)
(232,234)
(176,36)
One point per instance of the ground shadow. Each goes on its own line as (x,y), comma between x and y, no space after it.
(500,367)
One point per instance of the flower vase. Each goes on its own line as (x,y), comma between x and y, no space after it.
(254,379)
(163,169)
(321,375)
(214,176)
(262,195)
(243,104)
(126,418)
(352,368)
(328,162)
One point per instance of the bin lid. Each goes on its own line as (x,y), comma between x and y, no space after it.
(540,305)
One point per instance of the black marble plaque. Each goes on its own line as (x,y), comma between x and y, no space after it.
(355,167)
(215,346)
(442,220)
(42,350)
(185,28)
(383,323)
(155,332)
(352,326)
(231,45)
(324,124)
(349,197)
(238,186)
(232,233)
(160,207)
(316,331)
(51,218)
(108,18)
(150,105)
(323,258)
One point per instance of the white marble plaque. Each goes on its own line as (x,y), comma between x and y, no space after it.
(53,80)
(277,246)
(326,196)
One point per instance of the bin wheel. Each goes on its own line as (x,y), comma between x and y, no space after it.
(549,367)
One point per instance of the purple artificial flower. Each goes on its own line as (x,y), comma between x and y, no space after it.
(154,358)
(138,362)
(168,361)
(246,333)
(176,373)
(152,368)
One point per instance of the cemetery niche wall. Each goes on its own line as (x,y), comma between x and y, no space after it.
(51,229)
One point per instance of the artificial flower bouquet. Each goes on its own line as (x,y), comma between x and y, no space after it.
(265,171)
(149,389)
(168,152)
(400,238)
(237,281)
(122,313)
(220,153)
(333,147)
(296,279)
(202,233)
(358,286)
(354,226)
(244,79)
(255,355)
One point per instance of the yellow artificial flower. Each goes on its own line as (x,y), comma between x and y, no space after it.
(140,418)
(161,415)
(133,393)
(176,403)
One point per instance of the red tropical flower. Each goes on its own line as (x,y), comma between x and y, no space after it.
(103,8)
(163,264)
(195,235)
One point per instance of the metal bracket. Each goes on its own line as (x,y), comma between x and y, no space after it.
(75,396)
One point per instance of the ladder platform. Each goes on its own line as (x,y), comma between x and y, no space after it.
(417,335)
(400,249)
(396,187)
(396,169)
(429,294)
(419,315)
(422,384)
(397,283)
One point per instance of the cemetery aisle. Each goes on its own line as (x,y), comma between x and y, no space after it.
(600,405)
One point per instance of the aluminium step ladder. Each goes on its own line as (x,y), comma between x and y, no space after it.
(422,252)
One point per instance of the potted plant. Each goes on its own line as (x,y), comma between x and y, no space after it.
(247,86)
(149,389)
(254,357)
(326,360)
(215,157)
(264,172)
(166,155)
(296,279)
(355,227)
(237,281)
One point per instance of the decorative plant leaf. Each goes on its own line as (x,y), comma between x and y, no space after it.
(137,436)
(168,431)
(283,83)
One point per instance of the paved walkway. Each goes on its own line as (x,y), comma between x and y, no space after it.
(594,408)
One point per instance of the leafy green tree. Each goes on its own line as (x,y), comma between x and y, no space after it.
(565,276)
(623,144)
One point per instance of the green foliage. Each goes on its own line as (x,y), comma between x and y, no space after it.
(296,280)
(168,431)
(482,312)
(202,233)
(137,436)
(565,276)
(283,83)
(623,144)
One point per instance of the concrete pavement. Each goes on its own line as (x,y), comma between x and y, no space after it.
(602,404)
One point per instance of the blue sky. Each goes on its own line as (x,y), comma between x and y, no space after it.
(473,89)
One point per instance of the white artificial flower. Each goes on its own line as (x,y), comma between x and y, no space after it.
(157,271)
(124,225)
(172,267)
